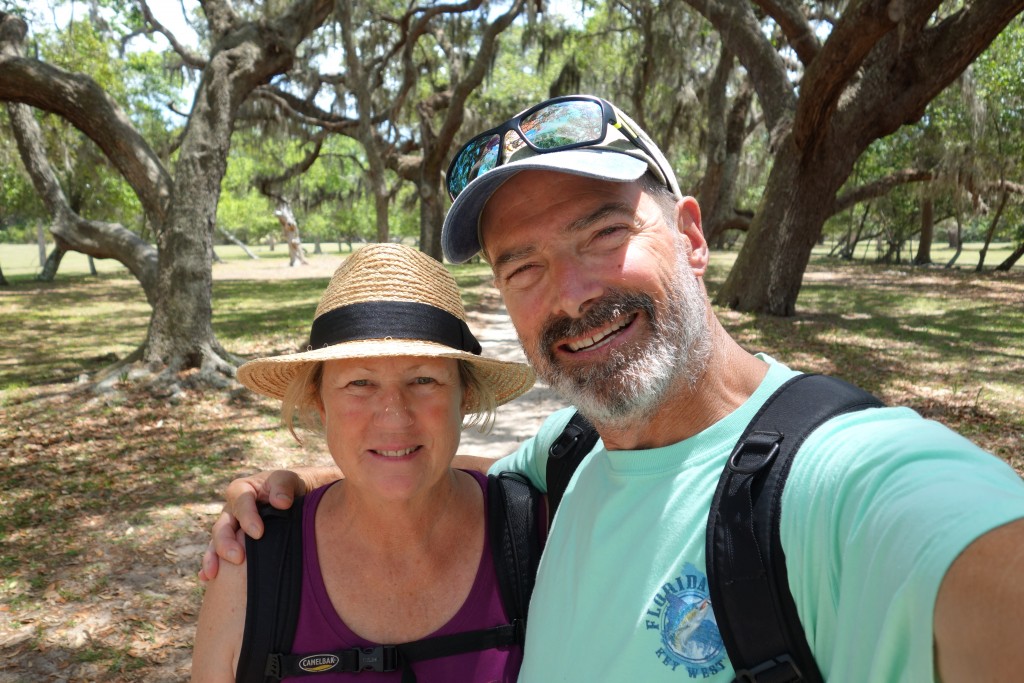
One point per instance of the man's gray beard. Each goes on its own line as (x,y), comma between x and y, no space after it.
(632,384)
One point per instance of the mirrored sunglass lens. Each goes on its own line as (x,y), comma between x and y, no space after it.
(476,158)
(564,123)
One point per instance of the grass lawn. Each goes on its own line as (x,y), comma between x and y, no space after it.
(107,498)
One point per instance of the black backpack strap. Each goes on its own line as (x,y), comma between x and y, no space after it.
(274,571)
(565,455)
(388,658)
(514,514)
(747,577)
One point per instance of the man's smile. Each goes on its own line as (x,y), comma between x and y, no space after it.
(600,338)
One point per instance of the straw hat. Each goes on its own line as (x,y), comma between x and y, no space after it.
(389,300)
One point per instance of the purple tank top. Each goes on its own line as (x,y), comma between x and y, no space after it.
(320,628)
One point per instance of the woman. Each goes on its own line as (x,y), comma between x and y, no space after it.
(399,550)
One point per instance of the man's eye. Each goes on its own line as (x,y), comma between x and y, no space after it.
(609,231)
(518,271)
(521,274)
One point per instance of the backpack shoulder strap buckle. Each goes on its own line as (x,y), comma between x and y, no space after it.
(274,669)
(755,452)
(781,669)
(567,440)
(381,658)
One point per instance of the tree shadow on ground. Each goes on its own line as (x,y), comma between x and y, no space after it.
(106,501)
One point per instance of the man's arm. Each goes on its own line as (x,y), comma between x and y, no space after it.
(979,611)
(278,488)
(477,463)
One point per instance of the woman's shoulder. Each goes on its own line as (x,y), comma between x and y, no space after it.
(479,477)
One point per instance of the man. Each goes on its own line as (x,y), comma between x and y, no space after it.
(904,542)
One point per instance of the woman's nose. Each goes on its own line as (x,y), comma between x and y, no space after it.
(392,411)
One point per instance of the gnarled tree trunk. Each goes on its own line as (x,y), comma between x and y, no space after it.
(244,54)
(880,66)
(726,134)
(786,228)
(924,247)
(1012,259)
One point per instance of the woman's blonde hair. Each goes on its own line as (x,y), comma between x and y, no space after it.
(301,402)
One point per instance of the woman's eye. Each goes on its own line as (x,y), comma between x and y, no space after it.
(425,380)
(359,383)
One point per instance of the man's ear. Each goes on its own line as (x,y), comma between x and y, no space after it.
(688,223)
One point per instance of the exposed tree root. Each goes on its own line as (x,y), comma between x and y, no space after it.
(210,367)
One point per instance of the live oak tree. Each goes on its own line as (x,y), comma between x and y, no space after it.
(137,80)
(881,63)
(246,48)
(408,73)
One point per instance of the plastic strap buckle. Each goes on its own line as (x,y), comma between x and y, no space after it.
(781,669)
(380,658)
(273,668)
(759,449)
(566,441)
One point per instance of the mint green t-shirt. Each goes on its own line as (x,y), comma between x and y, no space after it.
(876,507)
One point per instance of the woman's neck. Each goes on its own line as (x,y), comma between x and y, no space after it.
(398,571)
(386,524)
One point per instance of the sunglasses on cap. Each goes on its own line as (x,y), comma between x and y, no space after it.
(555,125)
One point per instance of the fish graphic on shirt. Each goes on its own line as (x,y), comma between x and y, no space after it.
(690,623)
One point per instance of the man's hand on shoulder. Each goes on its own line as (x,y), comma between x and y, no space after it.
(278,488)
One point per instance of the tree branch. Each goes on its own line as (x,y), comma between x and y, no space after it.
(83,103)
(190,58)
(465,86)
(794,25)
(881,187)
(305,111)
(908,68)
(300,20)
(267,184)
(741,33)
(1005,185)
(97,239)
(858,32)
(220,16)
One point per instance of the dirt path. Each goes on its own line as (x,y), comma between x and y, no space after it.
(518,419)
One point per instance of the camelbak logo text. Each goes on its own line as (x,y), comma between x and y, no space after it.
(317,663)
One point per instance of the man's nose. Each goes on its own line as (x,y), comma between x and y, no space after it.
(575,288)
(392,410)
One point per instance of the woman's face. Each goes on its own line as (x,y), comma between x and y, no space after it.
(392,424)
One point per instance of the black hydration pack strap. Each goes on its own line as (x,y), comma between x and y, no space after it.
(387,658)
(565,455)
(274,571)
(746,566)
(515,510)
(515,517)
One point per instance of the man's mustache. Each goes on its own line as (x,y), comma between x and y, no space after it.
(609,307)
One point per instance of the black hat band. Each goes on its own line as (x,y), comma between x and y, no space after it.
(394,319)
